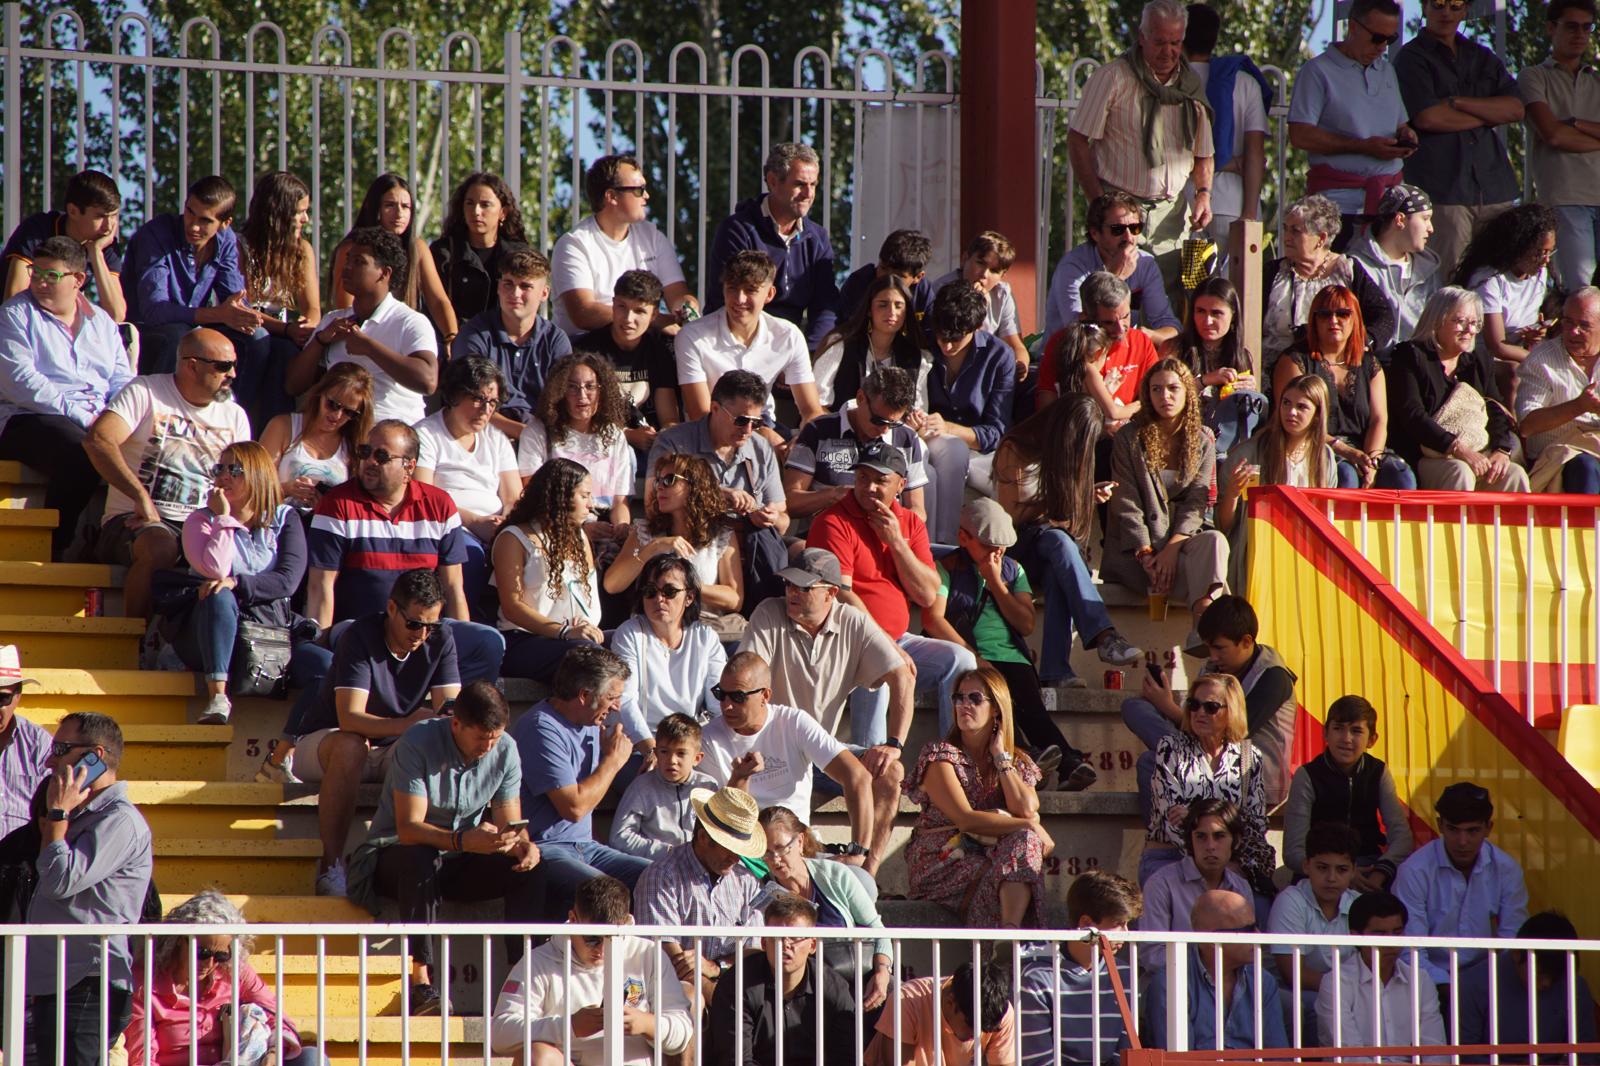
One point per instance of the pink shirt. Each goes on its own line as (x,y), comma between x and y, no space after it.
(169,1019)
(916,1030)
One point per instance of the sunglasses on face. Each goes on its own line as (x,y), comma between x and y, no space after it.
(666,592)
(377,455)
(414,624)
(1448,5)
(641,191)
(340,409)
(744,421)
(975,699)
(60,748)
(231,469)
(224,956)
(887,423)
(221,366)
(1341,313)
(1117,229)
(9,695)
(1195,706)
(734,695)
(51,277)
(1381,39)
(666,481)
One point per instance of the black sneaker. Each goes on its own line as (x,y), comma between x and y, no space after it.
(425,1000)
(1082,776)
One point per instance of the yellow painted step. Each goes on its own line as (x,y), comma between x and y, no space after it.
(341,978)
(265,908)
(33,587)
(221,809)
(235,865)
(20,486)
(142,697)
(46,640)
(168,752)
(25,532)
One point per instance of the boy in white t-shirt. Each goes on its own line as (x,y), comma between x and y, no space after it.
(740,335)
(588,260)
(155,445)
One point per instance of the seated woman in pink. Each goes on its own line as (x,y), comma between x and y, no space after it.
(978,847)
(210,962)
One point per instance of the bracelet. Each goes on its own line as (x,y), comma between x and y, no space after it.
(456,840)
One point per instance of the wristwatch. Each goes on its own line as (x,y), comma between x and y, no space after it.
(896,743)
(853,849)
(56,814)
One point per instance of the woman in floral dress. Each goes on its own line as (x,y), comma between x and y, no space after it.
(979,847)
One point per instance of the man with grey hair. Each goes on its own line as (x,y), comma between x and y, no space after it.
(1143,125)
(775,222)
(93,870)
(61,361)
(1558,401)
(1107,303)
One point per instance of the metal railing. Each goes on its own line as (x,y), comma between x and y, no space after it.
(1037,952)
(705,130)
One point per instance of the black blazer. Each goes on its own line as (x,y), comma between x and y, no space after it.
(1418,388)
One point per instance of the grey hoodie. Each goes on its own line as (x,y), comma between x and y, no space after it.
(654,816)
(1407,290)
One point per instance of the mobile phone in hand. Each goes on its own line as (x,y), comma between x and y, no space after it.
(1155,674)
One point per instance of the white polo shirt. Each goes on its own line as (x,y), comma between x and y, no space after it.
(399,328)
(586,258)
(706,350)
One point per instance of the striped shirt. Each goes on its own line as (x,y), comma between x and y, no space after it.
(1109,115)
(369,547)
(677,889)
(1073,1000)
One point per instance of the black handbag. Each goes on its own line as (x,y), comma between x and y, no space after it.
(260,664)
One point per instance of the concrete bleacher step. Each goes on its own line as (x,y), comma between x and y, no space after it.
(236,864)
(341,980)
(226,810)
(133,697)
(60,641)
(20,486)
(32,587)
(25,532)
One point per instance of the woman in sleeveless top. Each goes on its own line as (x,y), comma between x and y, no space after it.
(882,332)
(313,447)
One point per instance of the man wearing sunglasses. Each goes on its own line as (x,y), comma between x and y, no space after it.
(61,361)
(24,750)
(1347,114)
(1562,97)
(821,465)
(1239,983)
(1116,221)
(93,869)
(154,446)
(1459,95)
(588,259)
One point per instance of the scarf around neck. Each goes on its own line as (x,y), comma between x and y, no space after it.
(1185,90)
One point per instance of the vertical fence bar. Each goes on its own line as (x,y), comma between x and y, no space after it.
(1177,956)
(511,116)
(13,146)
(1561,615)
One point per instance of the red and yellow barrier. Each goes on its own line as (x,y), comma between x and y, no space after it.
(1346,628)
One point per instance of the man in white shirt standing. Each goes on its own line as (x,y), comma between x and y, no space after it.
(587,261)
(394,343)
(768,750)
(741,335)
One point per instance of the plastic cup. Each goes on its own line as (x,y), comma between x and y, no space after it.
(1158,607)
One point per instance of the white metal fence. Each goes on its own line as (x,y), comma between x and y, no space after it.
(167,118)
(1039,954)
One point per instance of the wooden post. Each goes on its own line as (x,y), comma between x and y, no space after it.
(1244,270)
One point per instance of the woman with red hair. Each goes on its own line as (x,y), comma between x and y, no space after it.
(1333,346)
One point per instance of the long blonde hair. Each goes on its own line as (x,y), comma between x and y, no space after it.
(260,478)
(1190,440)
(1275,441)
(999,693)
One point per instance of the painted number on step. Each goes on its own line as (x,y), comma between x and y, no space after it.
(467,973)
(1114,760)
(252,746)
(1071,865)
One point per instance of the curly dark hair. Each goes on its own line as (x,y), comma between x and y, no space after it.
(1190,440)
(703,511)
(1504,240)
(611,412)
(511,227)
(654,573)
(546,506)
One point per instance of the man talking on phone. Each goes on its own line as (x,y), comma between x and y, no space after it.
(94,870)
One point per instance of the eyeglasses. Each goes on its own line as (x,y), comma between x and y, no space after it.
(339,409)
(1568,26)
(734,695)
(1382,39)
(887,423)
(805,588)
(1448,5)
(221,366)
(666,592)
(744,421)
(377,455)
(666,481)
(1341,313)
(415,624)
(1117,229)
(479,400)
(224,956)
(51,277)
(776,851)
(975,699)
(60,748)
(641,191)
(231,469)
(583,388)
(1196,706)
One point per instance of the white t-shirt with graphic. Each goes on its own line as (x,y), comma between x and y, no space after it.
(609,459)
(791,743)
(173,444)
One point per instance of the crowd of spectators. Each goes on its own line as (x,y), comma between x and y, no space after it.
(712,531)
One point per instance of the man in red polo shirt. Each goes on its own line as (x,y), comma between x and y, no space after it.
(1108,304)
(884,560)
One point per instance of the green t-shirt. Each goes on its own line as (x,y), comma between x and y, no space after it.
(991,634)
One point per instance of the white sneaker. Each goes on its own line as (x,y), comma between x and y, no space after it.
(270,773)
(217,710)
(1115,651)
(331,882)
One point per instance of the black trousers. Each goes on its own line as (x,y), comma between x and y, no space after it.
(84,1042)
(1027,703)
(419,878)
(53,445)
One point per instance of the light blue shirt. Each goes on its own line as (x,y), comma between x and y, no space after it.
(1296,910)
(1238,1021)
(1338,94)
(1442,901)
(45,370)
(1151,308)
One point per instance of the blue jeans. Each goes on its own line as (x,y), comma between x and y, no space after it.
(1149,725)
(479,650)
(475,580)
(535,657)
(1057,568)
(258,385)
(938,664)
(569,864)
(1581,474)
(1577,236)
(206,643)
(1393,473)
